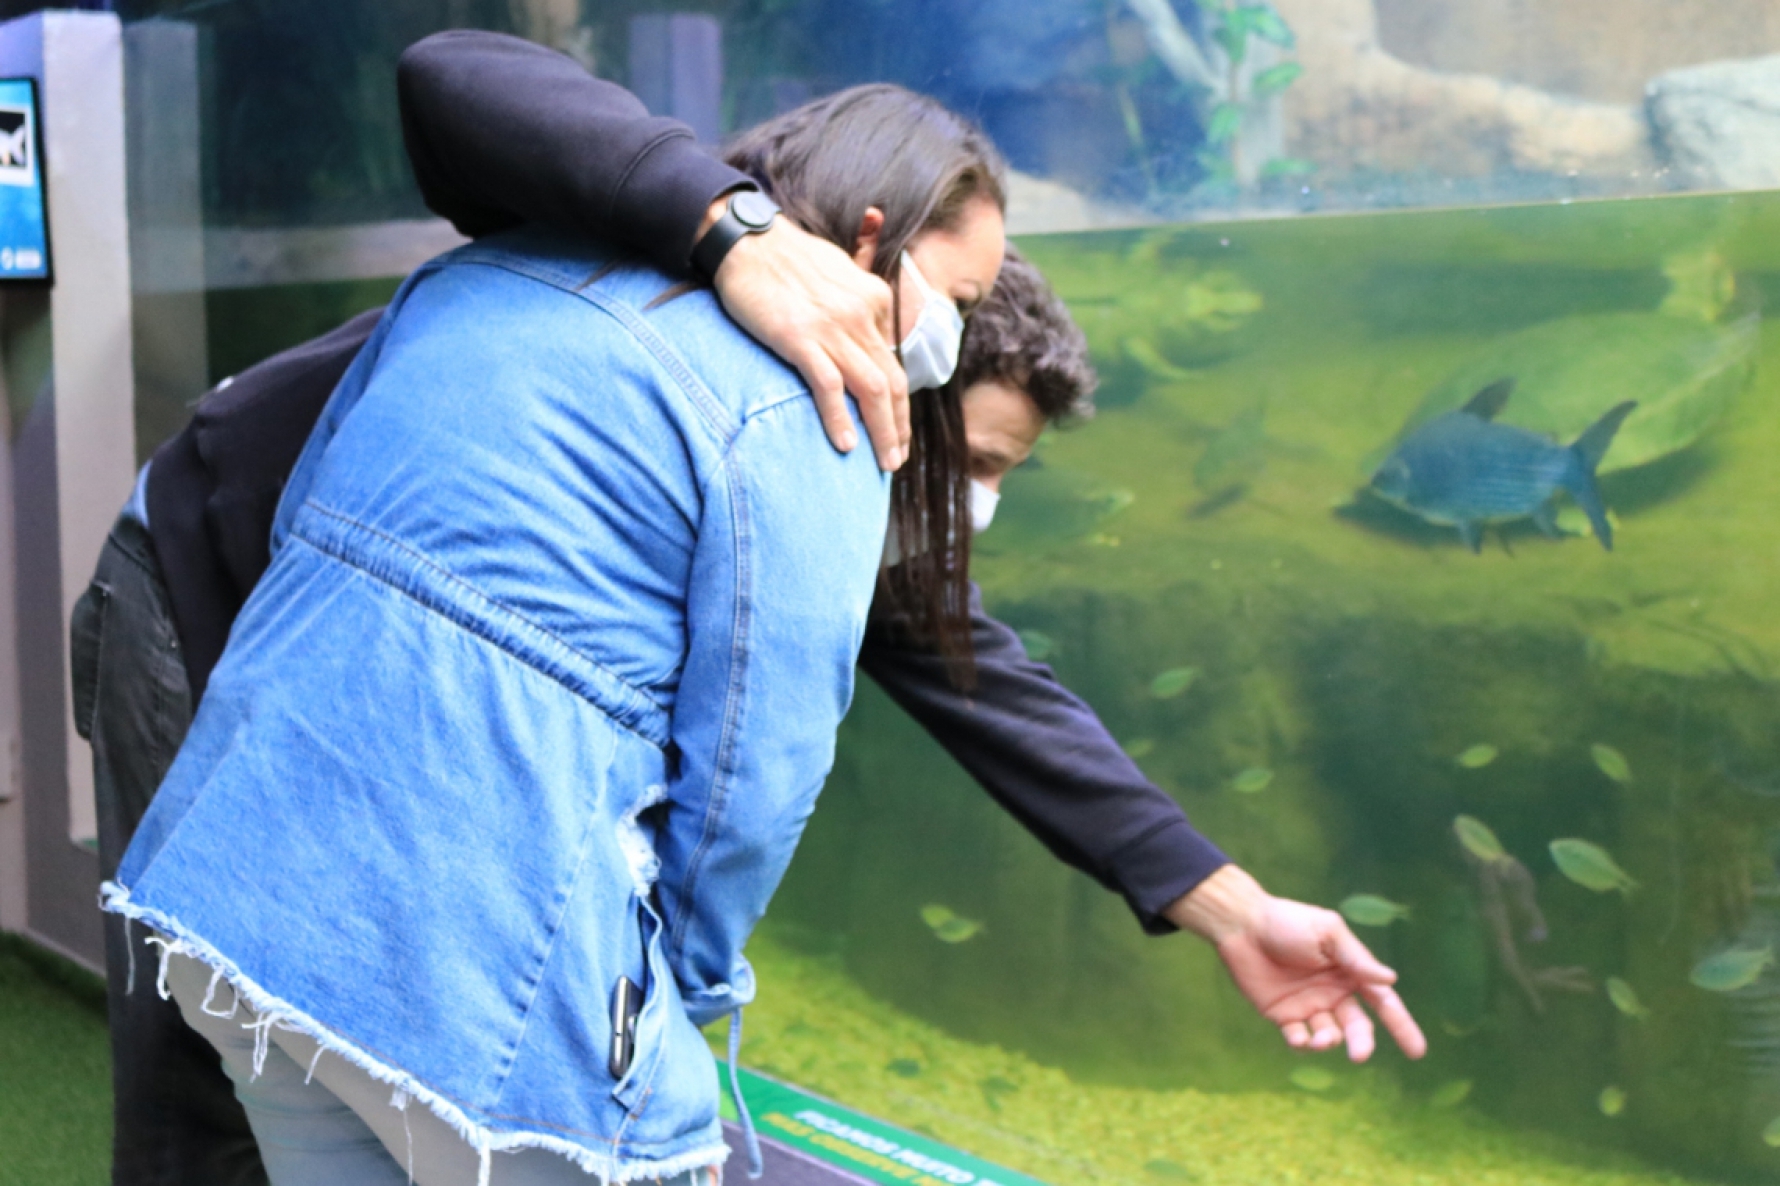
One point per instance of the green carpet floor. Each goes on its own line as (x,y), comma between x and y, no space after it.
(55,1072)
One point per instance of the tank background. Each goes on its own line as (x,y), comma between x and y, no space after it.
(1355,656)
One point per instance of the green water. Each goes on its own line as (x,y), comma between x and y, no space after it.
(1208,519)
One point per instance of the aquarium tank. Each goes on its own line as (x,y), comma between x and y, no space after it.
(1404,311)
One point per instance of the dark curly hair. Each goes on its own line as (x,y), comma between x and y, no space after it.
(1022,334)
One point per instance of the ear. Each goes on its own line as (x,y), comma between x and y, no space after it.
(865,247)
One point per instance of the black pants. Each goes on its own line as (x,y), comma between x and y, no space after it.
(177,1122)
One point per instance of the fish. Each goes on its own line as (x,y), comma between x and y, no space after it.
(1625,999)
(1463,470)
(936,916)
(1039,645)
(1370,910)
(1451,1094)
(1611,1101)
(1173,682)
(1770,1133)
(1729,970)
(1612,763)
(1477,838)
(1169,1171)
(908,1068)
(1253,780)
(957,930)
(1590,866)
(1139,747)
(1312,1079)
(1476,757)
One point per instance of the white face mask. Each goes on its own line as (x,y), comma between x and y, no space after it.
(930,352)
(982,509)
(983,501)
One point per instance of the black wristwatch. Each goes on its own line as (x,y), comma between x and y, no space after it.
(749,212)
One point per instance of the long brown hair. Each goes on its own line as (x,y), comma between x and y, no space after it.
(826,163)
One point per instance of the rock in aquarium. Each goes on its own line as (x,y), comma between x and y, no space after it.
(1370,910)
(1727,971)
(1625,999)
(1477,757)
(1590,866)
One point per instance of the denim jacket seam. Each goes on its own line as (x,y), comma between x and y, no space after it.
(723,761)
(543,964)
(721,423)
(419,558)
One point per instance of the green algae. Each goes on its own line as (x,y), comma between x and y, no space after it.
(1064,1129)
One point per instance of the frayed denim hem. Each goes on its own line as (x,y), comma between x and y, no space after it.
(273,1012)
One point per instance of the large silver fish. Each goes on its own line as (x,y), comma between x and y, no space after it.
(1463,470)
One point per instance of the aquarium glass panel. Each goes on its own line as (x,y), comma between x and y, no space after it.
(1535,776)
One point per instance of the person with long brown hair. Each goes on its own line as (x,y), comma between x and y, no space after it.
(513,741)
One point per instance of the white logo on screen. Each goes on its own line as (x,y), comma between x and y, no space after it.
(16,165)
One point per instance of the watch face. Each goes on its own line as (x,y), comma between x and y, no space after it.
(753,209)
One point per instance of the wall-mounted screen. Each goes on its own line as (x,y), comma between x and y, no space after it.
(24,223)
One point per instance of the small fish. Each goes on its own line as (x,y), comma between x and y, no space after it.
(1039,645)
(1727,971)
(1253,780)
(1463,470)
(936,916)
(1770,1135)
(1590,866)
(1370,910)
(908,1068)
(1173,682)
(1477,757)
(957,930)
(1477,838)
(993,1088)
(1612,1101)
(1625,999)
(1451,1094)
(1139,747)
(1169,1171)
(1611,762)
(1312,1079)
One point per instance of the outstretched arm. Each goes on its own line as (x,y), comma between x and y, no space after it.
(1045,756)
(501,131)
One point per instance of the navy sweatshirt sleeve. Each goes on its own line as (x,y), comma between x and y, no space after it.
(1046,758)
(501,131)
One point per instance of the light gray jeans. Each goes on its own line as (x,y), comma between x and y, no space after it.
(320,1121)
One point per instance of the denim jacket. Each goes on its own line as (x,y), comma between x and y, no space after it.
(537,694)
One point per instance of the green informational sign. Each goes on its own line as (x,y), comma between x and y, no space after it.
(867,1148)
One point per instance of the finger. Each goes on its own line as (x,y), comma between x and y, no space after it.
(1297,1036)
(872,390)
(1324,1033)
(1396,1018)
(1357,961)
(1356,1029)
(830,392)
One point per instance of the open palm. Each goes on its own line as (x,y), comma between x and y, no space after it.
(1303,969)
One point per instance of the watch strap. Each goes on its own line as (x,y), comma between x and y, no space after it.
(709,252)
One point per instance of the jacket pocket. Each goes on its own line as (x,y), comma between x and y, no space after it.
(86,636)
(659,996)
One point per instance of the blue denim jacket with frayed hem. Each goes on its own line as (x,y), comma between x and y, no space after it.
(537,694)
